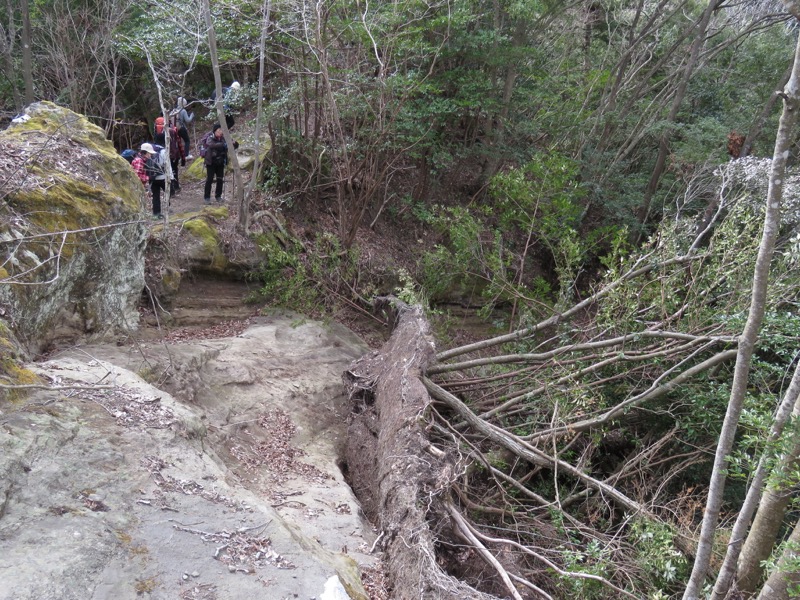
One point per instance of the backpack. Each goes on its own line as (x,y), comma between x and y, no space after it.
(175,145)
(128,154)
(203,144)
(154,167)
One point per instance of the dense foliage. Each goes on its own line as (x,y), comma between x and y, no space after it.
(574,163)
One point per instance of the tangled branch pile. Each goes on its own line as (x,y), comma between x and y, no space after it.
(578,448)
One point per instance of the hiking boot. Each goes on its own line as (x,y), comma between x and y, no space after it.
(158,216)
(190,157)
(218,200)
(206,200)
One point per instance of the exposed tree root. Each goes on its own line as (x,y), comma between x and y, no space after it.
(389,453)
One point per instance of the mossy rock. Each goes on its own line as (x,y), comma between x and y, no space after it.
(72,229)
(200,242)
(196,242)
(212,254)
(12,365)
(247,156)
(195,170)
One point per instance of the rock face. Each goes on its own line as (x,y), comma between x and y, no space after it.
(226,488)
(72,233)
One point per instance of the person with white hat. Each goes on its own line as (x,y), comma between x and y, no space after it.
(228,94)
(156,171)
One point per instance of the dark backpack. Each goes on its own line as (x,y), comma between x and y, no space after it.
(128,154)
(203,144)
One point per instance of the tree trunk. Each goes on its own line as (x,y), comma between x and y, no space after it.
(496,136)
(758,124)
(238,188)
(7,39)
(786,576)
(244,213)
(401,480)
(771,511)
(750,333)
(764,532)
(27,60)
(677,100)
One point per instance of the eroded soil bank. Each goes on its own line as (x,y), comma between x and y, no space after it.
(199,468)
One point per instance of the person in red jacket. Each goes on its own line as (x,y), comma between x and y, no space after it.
(138,163)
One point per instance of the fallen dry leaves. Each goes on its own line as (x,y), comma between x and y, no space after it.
(275,452)
(224,329)
(132,409)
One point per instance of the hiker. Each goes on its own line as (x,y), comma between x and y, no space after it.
(228,93)
(138,164)
(176,151)
(182,119)
(216,157)
(155,168)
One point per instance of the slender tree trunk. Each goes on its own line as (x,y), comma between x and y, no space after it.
(677,100)
(167,162)
(758,124)
(27,60)
(786,576)
(496,136)
(8,39)
(244,214)
(238,191)
(771,512)
(771,509)
(748,338)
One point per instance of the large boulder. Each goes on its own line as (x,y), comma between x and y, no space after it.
(72,230)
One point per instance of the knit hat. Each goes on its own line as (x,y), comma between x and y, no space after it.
(148,148)
(235,85)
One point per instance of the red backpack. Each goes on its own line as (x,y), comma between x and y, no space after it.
(175,145)
(203,144)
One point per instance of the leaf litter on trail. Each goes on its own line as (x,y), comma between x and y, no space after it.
(275,452)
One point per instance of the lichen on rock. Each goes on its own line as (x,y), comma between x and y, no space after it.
(72,232)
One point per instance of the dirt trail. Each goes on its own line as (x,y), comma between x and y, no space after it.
(190,197)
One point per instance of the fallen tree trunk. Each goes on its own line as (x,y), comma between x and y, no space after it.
(402,480)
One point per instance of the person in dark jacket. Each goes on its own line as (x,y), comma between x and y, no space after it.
(176,151)
(228,95)
(183,118)
(215,162)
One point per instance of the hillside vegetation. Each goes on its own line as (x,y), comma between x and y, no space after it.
(611,186)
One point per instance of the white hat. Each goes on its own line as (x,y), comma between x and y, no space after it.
(235,85)
(148,148)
